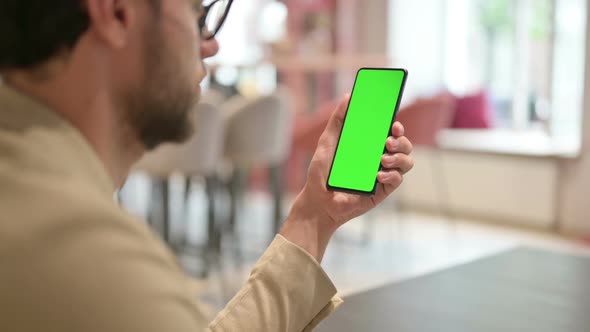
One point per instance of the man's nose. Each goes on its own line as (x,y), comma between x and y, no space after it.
(209,48)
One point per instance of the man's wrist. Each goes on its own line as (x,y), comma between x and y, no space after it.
(308,228)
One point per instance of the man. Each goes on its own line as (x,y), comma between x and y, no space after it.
(89,86)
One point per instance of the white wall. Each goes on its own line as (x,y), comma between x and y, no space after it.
(511,189)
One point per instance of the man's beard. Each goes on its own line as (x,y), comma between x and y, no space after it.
(159,111)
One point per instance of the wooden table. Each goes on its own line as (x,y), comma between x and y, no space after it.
(516,291)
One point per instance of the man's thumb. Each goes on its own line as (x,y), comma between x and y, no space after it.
(334,127)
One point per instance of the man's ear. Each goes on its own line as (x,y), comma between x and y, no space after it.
(111,20)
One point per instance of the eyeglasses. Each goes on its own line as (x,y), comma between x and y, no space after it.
(212,17)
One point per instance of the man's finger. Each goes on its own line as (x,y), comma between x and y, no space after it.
(334,127)
(399,145)
(398,161)
(398,130)
(391,177)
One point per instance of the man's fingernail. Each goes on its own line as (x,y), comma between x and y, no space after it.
(395,143)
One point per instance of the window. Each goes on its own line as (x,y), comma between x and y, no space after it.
(528,55)
(568,68)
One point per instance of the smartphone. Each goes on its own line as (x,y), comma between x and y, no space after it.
(374,101)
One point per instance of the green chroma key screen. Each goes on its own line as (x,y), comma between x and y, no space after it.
(371,111)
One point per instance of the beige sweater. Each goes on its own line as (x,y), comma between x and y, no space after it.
(72,260)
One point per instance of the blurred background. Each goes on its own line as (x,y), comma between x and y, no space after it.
(496,104)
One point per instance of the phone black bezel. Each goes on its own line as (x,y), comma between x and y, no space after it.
(374,191)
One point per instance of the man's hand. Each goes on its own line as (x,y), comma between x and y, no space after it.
(338,207)
(318,212)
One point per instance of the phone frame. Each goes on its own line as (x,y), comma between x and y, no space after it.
(374,191)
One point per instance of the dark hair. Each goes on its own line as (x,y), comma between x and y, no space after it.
(32,31)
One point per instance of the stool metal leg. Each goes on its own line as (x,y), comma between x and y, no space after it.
(159,208)
(276,183)
(165,210)
(237,186)
(213,231)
